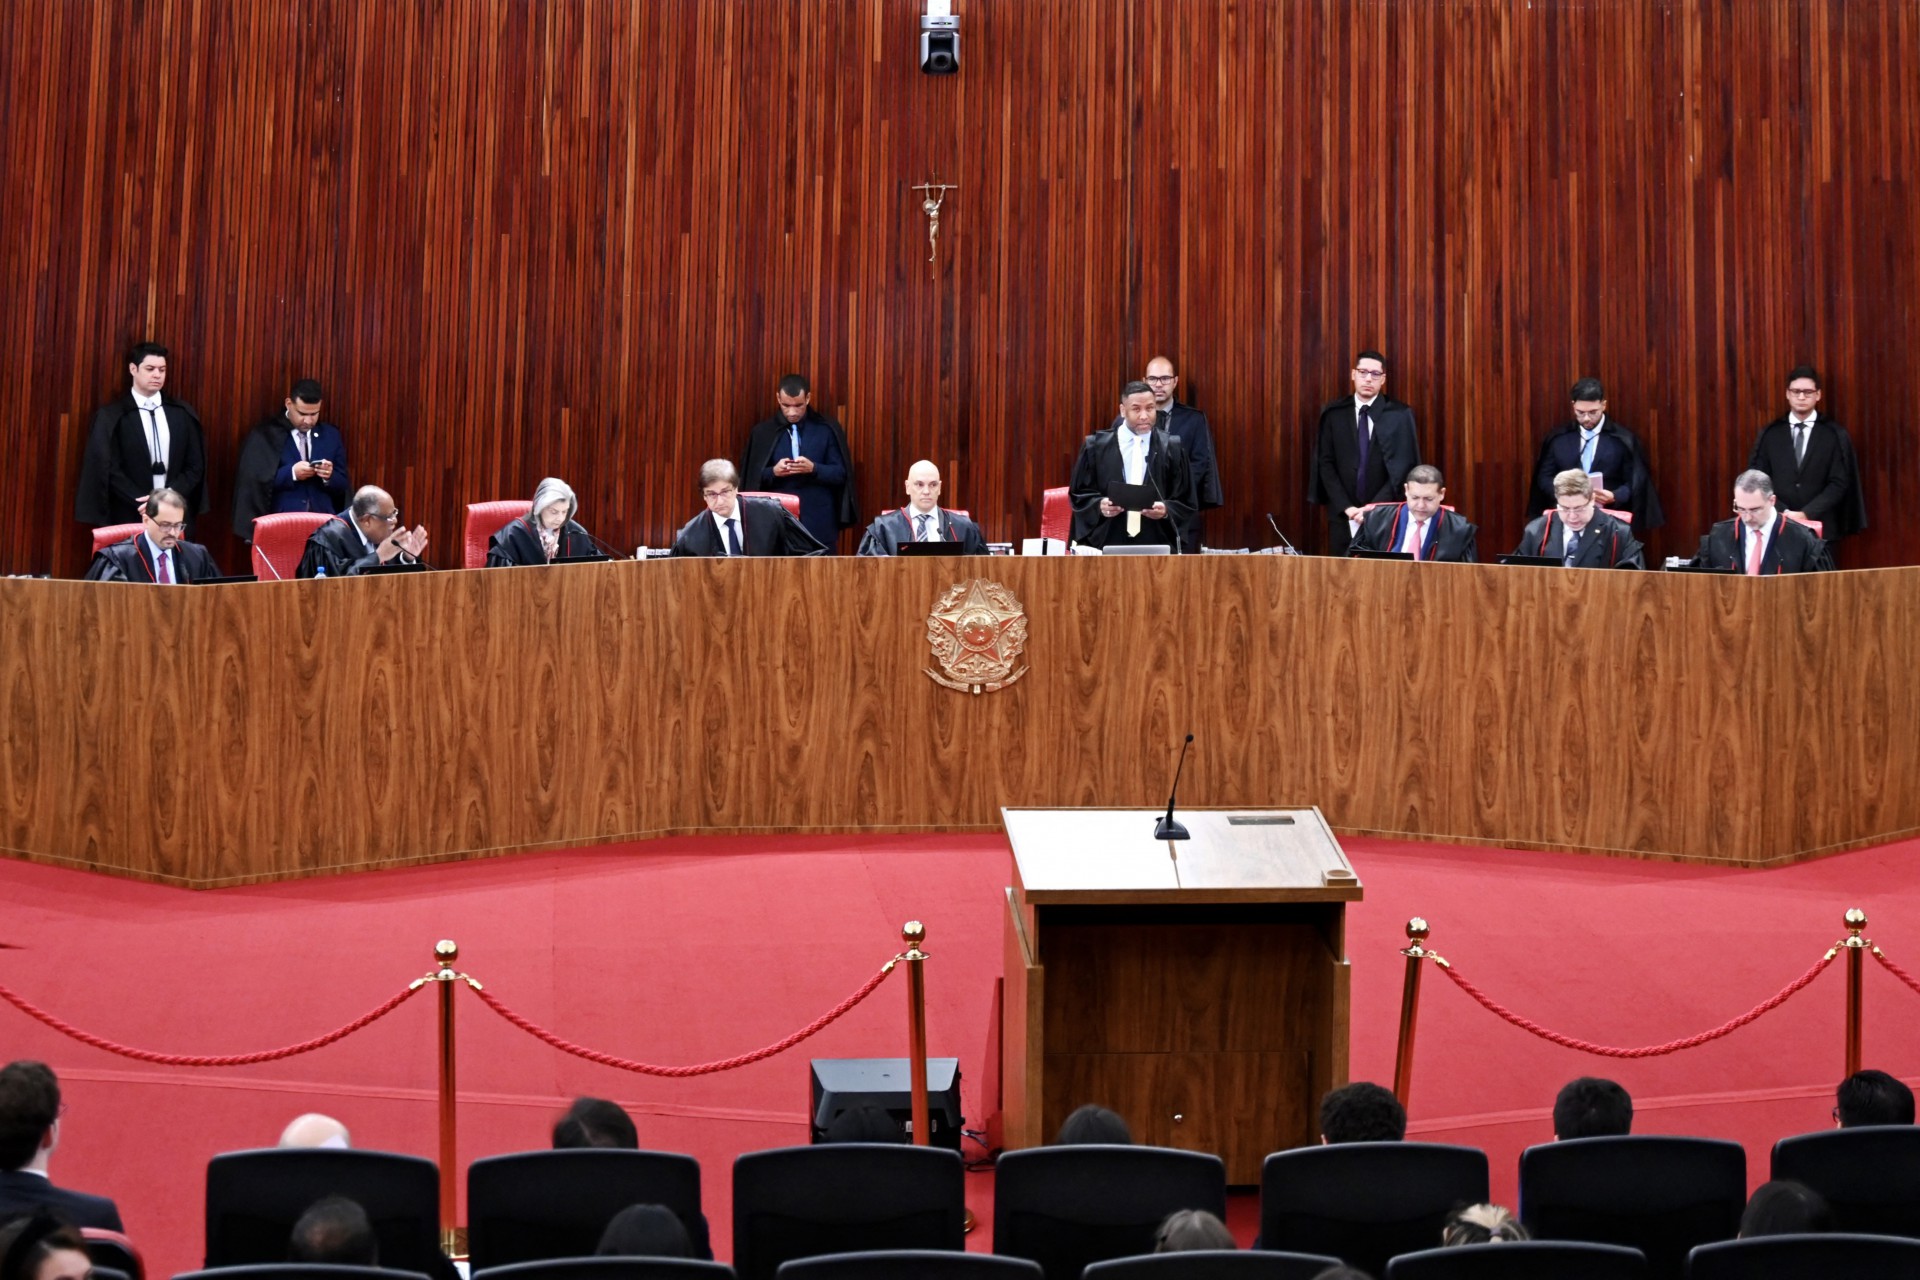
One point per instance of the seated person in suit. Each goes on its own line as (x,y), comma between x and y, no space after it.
(923,519)
(367,534)
(1598,445)
(291,462)
(1590,1107)
(1577,533)
(1872,1097)
(548,530)
(1361,1112)
(1135,452)
(159,552)
(41,1247)
(1760,539)
(336,1231)
(736,526)
(1419,526)
(29,1131)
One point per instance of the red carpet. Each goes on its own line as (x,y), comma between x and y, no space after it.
(689,950)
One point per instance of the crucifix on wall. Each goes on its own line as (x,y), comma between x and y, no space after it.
(936,194)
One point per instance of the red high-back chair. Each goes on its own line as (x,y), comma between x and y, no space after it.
(484,519)
(1056,514)
(791,501)
(280,540)
(108,535)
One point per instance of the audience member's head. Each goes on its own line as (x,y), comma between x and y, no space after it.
(645,1231)
(1784,1208)
(1091,1125)
(315,1130)
(1481,1224)
(1592,1108)
(334,1230)
(864,1124)
(1362,1112)
(29,1107)
(1872,1097)
(1186,1230)
(41,1247)
(595,1122)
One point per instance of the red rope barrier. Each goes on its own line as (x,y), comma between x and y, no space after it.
(1895,969)
(699,1069)
(202,1060)
(1644,1051)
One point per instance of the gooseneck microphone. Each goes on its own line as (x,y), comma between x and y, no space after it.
(1171,520)
(1167,828)
(1291,549)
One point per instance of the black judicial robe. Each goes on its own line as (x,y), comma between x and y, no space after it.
(1619,457)
(518,542)
(1450,535)
(1333,470)
(1825,485)
(1606,543)
(770,435)
(338,546)
(765,530)
(116,473)
(131,561)
(1792,549)
(1100,464)
(888,531)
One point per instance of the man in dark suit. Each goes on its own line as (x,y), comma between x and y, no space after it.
(1597,445)
(923,519)
(366,535)
(1366,445)
(158,553)
(291,462)
(1189,426)
(1577,533)
(803,452)
(1760,539)
(141,441)
(1135,452)
(30,1110)
(1811,461)
(736,526)
(1420,526)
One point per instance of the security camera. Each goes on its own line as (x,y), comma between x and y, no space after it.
(939,39)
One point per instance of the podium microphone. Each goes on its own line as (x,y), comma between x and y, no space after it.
(1291,549)
(1167,828)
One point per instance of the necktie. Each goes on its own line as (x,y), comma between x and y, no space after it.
(733,537)
(1415,538)
(162,572)
(1589,444)
(1799,442)
(920,527)
(1364,430)
(306,446)
(1753,553)
(1573,548)
(795,430)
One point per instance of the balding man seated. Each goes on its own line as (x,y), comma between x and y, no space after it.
(923,519)
(367,535)
(315,1130)
(1760,539)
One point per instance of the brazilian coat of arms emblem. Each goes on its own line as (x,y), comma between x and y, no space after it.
(977,631)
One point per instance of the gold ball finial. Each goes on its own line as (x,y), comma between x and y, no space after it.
(1856,919)
(1417,929)
(446,951)
(913,933)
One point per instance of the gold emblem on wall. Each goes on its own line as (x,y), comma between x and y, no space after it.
(978,632)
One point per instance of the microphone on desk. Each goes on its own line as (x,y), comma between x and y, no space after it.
(611,554)
(267,560)
(1167,828)
(1291,549)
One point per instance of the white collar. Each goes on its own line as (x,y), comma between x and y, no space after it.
(145,402)
(1802,422)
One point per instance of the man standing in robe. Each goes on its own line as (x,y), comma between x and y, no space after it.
(801,451)
(141,440)
(1366,445)
(1811,461)
(1136,452)
(1598,445)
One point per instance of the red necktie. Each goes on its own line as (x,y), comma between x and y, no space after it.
(1754,553)
(164,574)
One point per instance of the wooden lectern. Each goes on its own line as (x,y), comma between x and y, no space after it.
(1198,987)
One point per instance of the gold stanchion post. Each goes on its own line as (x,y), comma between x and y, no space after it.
(1857,946)
(913,934)
(1417,932)
(445,952)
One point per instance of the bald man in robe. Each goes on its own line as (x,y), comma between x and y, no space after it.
(923,519)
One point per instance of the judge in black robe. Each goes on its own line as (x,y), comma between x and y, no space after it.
(1825,484)
(119,470)
(892,528)
(1787,545)
(765,530)
(1606,543)
(135,560)
(1336,477)
(826,493)
(350,543)
(519,541)
(1101,464)
(1449,535)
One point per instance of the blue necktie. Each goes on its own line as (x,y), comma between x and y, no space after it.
(795,430)
(920,530)
(1589,444)
(733,537)
(1573,548)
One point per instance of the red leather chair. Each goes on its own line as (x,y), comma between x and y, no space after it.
(484,519)
(1819,530)
(113,1250)
(279,540)
(110,534)
(1056,514)
(791,501)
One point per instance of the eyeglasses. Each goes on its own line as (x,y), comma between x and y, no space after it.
(1803,391)
(1369,373)
(1161,377)
(169,526)
(388,518)
(714,495)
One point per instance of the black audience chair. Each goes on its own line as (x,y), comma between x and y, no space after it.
(255,1197)
(608,1269)
(113,1251)
(1868,1175)
(909,1264)
(295,1271)
(1521,1260)
(1811,1257)
(1657,1194)
(1211,1264)
(1065,1207)
(801,1202)
(1365,1202)
(556,1204)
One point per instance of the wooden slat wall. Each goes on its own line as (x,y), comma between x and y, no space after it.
(521,237)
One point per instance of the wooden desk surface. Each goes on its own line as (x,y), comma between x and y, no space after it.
(1234,855)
